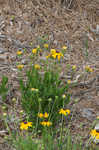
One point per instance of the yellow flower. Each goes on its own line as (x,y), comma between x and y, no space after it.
(46,115)
(25,125)
(19,52)
(88,69)
(36,66)
(43,123)
(67,111)
(45,45)
(53,51)
(32,89)
(46,123)
(54,55)
(34,51)
(97,117)
(94,134)
(48,56)
(20,66)
(58,56)
(29,124)
(64,47)
(40,115)
(74,67)
(97,136)
(61,54)
(64,112)
(69,81)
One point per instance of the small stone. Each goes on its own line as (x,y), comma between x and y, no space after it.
(24,61)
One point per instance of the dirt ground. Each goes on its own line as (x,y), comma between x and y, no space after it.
(23,21)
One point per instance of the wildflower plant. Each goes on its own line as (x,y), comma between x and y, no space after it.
(42,96)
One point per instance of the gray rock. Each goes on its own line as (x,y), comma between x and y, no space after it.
(88,113)
(2,51)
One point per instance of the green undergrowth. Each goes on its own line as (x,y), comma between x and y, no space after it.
(43,122)
(42,94)
(50,142)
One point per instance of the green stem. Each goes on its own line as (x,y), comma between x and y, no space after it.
(61,132)
(37,116)
(7,127)
(52,109)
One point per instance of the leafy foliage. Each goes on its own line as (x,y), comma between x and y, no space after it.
(46,98)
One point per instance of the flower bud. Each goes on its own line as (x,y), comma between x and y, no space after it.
(3,107)
(14,99)
(50,99)
(4,114)
(39,99)
(63,96)
(56,97)
(21,112)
